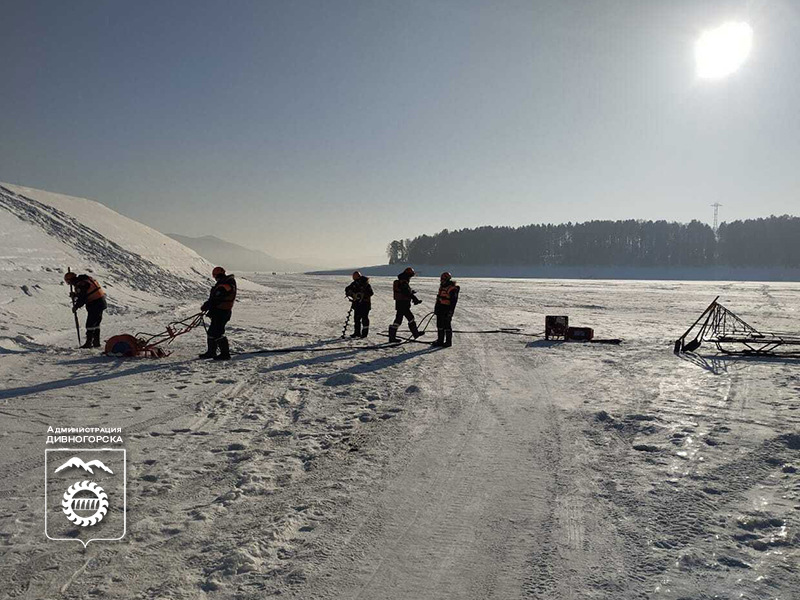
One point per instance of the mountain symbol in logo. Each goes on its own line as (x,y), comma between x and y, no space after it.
(77,462)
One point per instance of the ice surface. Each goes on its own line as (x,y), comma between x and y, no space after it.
(499,468)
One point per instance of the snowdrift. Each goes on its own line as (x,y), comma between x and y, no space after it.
(42,233)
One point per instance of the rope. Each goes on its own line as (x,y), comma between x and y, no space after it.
(506,330)
(325,349)
(425,321)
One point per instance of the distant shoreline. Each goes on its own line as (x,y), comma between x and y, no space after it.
(563,272)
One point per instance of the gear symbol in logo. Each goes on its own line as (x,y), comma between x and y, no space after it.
(98,504)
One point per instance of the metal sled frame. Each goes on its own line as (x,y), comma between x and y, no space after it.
(151,344)
(151,341)
(732,335)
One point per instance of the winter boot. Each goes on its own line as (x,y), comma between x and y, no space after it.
(356,332)
(89,338)
(393,333)
(448,338)
(224,350)
(412,325)
(440,339)
(96,339)
(212,349)
(364,332)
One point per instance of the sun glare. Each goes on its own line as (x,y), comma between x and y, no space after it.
(719,52)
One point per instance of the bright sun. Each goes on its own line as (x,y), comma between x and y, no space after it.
(719,52)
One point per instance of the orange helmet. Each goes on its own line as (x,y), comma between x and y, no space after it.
(409,271)
(217,272)
(445,276)
(356,275)
(69,277)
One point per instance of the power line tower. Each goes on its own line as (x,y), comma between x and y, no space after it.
(716,206)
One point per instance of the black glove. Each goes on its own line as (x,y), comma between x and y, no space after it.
(205,307)
(416,301)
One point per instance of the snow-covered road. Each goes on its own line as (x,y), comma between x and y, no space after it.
(505,467)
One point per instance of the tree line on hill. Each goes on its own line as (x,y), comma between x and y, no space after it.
(770,242)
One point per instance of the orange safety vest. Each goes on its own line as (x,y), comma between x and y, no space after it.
(93,290)
(444,293)
(226,301)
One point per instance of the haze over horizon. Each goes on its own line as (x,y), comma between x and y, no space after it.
(313,129)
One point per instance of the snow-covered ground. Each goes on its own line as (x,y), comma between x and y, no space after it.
(504,467)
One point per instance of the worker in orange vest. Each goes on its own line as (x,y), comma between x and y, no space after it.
(446,300)
(87,292)
(219,306)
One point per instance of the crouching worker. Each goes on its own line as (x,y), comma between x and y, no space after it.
(87,292)
(446,301)
(403,297)
(219,306)
(359,293)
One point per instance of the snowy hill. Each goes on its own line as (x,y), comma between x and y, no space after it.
(236,257)
(100,236)
(42,233)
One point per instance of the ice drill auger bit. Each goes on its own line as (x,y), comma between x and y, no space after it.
(347,321)
(74,314)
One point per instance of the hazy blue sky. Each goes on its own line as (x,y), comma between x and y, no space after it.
(327,128)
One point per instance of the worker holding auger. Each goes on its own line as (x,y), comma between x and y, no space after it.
(359,293)
(219,306)
(87,292)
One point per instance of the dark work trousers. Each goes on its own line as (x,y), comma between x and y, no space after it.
(444,320)
(361,313)
(219,318)
(403,310)
(94,314)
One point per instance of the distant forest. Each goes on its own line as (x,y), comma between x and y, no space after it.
(771,242)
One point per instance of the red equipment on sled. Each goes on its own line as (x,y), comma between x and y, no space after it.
(557,328)
(150,344)
(580,334)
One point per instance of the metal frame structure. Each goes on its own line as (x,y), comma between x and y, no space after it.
(149,344)
(732,335)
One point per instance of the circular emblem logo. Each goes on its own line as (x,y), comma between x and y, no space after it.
(85,503)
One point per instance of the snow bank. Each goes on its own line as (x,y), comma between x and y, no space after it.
(42,233)
(134,253)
